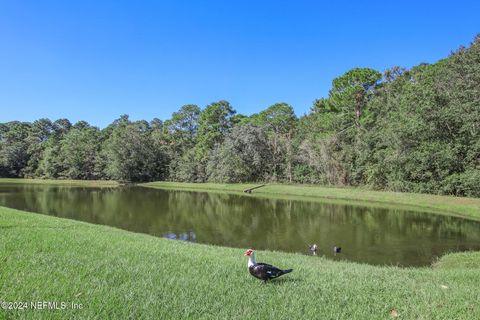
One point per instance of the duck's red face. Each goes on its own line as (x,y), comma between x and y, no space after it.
(248,252)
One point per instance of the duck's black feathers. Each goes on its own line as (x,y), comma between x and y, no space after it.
(266,271)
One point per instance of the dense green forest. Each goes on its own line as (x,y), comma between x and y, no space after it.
(414,130)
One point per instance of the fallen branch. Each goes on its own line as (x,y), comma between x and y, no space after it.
(250,190)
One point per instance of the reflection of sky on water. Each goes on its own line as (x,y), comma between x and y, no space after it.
(185,236)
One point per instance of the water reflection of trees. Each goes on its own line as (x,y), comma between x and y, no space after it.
(367,234)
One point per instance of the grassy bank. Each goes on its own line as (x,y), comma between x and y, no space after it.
(117,274)
(465,207)
(59,182)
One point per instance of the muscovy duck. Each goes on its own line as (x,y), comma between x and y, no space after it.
(313,248)
(263,271)
(337,249)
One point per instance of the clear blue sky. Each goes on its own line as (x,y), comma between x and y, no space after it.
(95,60)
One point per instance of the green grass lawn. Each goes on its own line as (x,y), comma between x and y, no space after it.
(458,206)
(117,274)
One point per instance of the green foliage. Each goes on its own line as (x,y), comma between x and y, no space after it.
(244,156)
(350,93)
(79,148)
(129,153)
(186,168)
(178,141)
(14,148)
(183,126)
(466,184)
(279,121)
(51,164)
(424,136)
(214,122)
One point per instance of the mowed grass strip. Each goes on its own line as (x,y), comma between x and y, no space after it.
(117,274)
(60,182)
(458,206)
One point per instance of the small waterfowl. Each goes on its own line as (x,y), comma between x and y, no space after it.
(337,249)
(313,248)
(261,270)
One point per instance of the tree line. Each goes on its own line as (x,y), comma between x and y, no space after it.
(415,130)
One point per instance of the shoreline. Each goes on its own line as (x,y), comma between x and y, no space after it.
(445,205)
(60,182)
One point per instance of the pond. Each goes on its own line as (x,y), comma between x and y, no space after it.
(380,236)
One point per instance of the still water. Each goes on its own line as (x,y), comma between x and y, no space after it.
(366,234)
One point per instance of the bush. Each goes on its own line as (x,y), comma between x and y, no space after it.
(465,184)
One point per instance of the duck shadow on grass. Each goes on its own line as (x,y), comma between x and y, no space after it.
(282,281)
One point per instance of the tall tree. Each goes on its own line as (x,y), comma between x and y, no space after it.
(177,139)
(129,153)
(14,146)
(244,156)
(183,125)
(39,133)
(279,122)
(350,92)
(79,149)
(61,127)
(347,101)
(214,123)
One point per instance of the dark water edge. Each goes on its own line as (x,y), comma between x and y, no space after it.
(379,236)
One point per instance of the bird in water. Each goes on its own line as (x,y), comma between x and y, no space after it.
(337,249)
(313,248)
(261,270)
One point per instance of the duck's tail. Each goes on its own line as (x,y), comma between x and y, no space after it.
(287,271)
